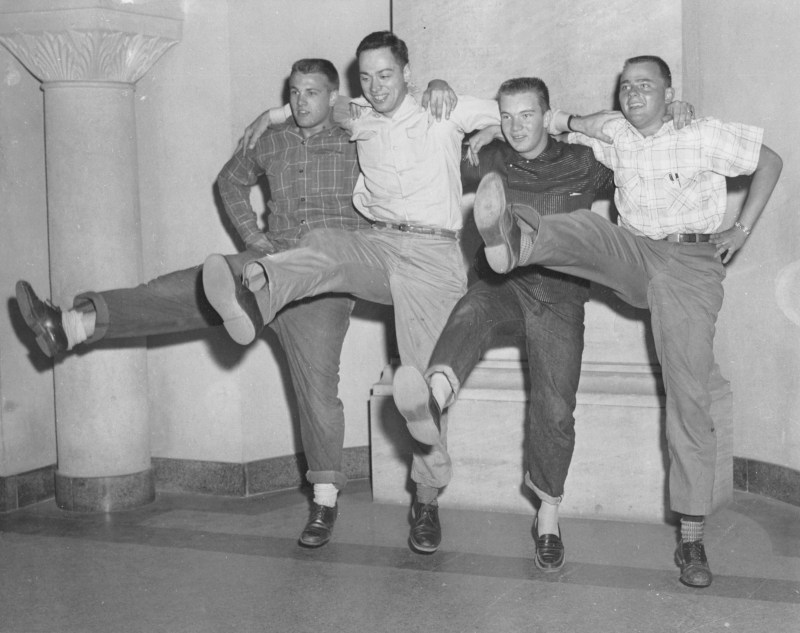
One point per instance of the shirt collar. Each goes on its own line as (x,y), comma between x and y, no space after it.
(552,150)
(408,106)
(331,131)
(666,129)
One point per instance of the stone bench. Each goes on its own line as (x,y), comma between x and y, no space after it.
(619,465)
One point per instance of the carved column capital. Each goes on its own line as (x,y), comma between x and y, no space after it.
(105,42)
(87,55)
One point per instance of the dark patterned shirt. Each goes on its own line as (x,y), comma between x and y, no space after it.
(310,185)
(561,179)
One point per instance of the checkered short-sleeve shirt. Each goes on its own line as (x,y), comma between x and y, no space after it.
(674,180)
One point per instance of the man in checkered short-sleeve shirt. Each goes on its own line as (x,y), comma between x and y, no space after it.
(668,255)
(311,169)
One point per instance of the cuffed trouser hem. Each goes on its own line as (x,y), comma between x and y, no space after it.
(540,493)
(455,383)
(334,477)
(80,303)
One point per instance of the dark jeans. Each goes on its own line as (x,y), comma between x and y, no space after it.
(553,337)
(311,333)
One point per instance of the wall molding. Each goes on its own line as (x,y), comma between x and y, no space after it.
(279,473)
(768,480)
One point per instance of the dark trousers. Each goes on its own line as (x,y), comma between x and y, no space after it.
(553,337)
(311,333)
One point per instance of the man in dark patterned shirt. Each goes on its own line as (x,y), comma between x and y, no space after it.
(541,307)
(311,169)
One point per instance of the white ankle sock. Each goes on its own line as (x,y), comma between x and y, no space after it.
(547,521)
(325,494)
(440,389)
(74,327)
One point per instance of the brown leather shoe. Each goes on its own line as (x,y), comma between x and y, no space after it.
(417,405)
(233,302)
(426,531)
(319,528)
(44,319)
(690,556)
(497,224)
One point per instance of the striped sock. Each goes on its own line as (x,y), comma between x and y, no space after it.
(692,529)
(525,247)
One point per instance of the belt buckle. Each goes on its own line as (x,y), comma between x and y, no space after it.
(403,227)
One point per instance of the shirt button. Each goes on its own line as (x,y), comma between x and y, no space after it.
(301,170)
(302,199)
(302,221)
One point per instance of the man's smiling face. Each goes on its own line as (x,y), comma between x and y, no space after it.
(644,95)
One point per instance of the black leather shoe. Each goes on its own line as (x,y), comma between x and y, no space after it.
(691,558)
(319,528)
(233,302)
(416,404)
(43,318)
(549,551)
(426,532)
(496,224)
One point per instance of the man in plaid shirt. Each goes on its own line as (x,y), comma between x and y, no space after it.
(311,169)
(667,255)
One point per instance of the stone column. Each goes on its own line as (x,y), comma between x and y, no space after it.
(88,59)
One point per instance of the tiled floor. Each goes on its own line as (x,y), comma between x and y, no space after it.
(199,564)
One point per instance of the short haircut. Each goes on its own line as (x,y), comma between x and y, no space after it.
(321,66)
(385,39)
(526,84)
(662,66)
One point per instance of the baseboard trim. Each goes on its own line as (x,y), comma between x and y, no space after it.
(768,480)
(251,478)
(279,473)
(24,489)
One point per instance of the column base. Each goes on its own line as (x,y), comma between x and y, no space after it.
(105,494)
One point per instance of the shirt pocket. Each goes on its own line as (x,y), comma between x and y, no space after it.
(326,172)
(681,192)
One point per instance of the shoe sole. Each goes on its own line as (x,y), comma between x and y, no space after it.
(680,563)
(25,301)
(494,223)
(313,544)
(548,568)
(411,396)
(420,549)
(219,285)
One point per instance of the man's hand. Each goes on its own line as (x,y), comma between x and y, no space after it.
(592,124)
(439,99)
(357,110)
(680,113)
(728,242)
(253,132)
(480,139)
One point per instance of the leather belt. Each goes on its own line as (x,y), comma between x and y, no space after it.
(691,238)
(416,228)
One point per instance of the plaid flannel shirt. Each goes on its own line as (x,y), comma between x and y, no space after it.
(674,180)
(310,185)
